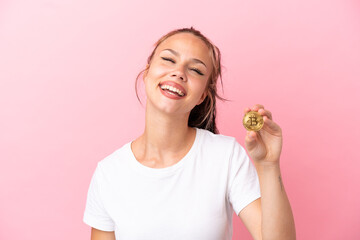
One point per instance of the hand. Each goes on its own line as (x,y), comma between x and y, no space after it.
(265,145)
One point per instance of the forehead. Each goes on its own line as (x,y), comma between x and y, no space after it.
(186,44)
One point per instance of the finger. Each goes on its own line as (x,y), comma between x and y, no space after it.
(250,140)
(271,126)
(256,107)
(264,112)
(246,110)
(252,135)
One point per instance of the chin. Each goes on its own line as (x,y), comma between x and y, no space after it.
(168,107)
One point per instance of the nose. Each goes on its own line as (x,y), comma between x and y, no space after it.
(178,73)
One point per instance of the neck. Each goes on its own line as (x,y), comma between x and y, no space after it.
(166,131)
(166,139)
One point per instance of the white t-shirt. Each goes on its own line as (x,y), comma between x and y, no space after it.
(193,199)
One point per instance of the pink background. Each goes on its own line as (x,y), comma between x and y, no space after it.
(67,100)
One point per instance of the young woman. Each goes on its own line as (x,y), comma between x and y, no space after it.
(181,179)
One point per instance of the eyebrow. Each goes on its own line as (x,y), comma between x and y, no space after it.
(177,54)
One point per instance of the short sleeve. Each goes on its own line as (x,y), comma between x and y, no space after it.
(95,214)
(243,184)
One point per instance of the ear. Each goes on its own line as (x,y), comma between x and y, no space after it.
(146,72)
(203,96)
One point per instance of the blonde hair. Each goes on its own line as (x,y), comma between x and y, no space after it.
(202,115)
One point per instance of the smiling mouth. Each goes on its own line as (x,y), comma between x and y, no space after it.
(172,90)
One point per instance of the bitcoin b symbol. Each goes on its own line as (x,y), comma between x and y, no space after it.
(253,120)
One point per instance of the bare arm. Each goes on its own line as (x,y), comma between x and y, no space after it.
(101,235)
(271,217)
(277,219)
(251,217)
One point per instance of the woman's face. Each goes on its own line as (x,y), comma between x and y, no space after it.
(177,76)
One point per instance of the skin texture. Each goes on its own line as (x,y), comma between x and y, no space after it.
(269,217)
(101,235)
(167,138)
(178,64)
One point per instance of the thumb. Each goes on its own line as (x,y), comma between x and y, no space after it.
(250,140)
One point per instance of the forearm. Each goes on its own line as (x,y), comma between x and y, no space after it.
(277,218)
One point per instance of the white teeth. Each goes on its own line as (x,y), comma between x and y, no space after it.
(173,89)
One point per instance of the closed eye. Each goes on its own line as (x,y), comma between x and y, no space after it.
(168,59)
(197,71)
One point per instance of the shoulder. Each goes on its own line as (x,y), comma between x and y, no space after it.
(116,160)
(222,151)
(217,140)
(219,144)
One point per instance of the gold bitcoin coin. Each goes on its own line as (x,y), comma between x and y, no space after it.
(253,121)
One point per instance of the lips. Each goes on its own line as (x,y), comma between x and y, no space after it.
(174,87)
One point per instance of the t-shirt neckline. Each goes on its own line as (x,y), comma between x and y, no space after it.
(163,172)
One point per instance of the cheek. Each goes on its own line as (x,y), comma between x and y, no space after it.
(154,74)
(158,70)
(199,86)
